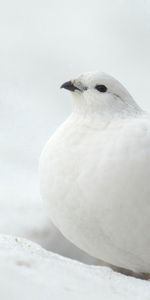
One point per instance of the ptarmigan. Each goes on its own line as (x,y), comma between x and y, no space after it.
(95,173)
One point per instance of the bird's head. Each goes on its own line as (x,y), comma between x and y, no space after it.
(100,94)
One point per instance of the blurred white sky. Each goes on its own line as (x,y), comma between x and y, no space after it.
(44,43)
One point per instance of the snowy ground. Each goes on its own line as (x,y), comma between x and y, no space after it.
(30,272)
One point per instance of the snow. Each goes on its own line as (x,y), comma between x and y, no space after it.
(30,272)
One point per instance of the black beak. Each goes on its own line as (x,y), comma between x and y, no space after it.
(69,86)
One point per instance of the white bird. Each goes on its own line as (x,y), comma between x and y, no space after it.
(95,173)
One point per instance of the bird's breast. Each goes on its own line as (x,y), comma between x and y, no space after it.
(97,183)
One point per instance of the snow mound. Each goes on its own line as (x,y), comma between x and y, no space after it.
(29,272)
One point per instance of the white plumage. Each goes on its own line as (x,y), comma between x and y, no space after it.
(95,173)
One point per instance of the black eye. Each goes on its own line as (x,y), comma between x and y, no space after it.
(101,88)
